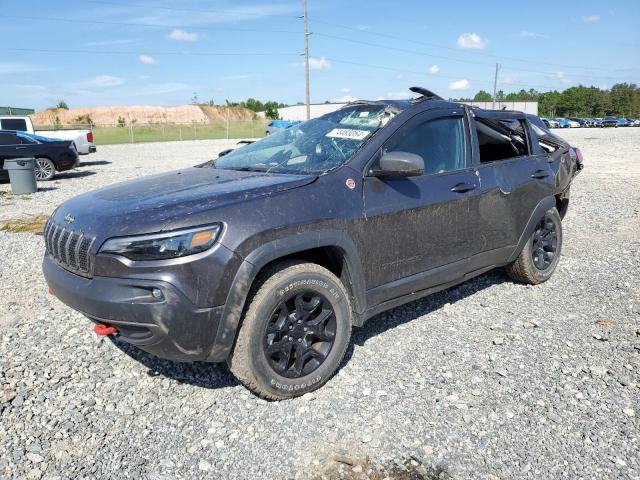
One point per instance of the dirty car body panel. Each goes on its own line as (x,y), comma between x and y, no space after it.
(390,239)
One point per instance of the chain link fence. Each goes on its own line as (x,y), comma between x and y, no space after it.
(168,132)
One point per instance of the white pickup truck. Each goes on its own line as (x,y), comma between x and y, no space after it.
(83,139)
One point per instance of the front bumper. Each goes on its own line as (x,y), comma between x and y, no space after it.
(170,327)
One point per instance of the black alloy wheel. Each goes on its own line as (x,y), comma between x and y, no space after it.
(300,334)
(544,243)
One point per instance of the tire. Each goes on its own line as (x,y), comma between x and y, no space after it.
(540,256)
(45,169)
(286,362)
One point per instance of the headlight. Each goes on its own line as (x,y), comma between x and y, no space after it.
(163,246)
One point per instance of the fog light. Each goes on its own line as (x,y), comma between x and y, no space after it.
(156,293)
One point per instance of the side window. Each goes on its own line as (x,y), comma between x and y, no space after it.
(440,142)
(8,139)
(14,124)
(501,139)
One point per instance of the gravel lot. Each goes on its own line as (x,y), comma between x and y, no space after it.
(487,380)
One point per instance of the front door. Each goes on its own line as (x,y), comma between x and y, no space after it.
(415,233)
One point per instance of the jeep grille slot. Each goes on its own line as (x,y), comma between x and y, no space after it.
(69,249)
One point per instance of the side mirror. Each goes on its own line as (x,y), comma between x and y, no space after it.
(399,164)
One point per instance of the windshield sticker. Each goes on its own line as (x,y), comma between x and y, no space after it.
(348,133)
(364,114)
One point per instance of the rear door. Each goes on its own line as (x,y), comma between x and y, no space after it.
(417,224)
(514,178)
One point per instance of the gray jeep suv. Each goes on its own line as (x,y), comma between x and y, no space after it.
(267,256)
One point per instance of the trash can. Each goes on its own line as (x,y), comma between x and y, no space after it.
(22,175)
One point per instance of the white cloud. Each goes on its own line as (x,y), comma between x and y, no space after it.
(561,76)
(108,43)
(11,68)
(146,59)
(102,81)
(319,63)
(396,96)
(240,76)
(345,90)
(433,69)
(182,36)
(32,88)
(527,34)
(507,80)
(590,18)
(471,41)
(362,27)
(459,85)
(345,99)
(164,88)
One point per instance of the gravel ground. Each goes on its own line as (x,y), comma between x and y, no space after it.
(487,380)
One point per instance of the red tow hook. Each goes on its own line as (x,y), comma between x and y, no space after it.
(101,329)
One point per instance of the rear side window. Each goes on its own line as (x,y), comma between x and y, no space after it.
(8,139)
(501,139)
(439,142)
(14,124)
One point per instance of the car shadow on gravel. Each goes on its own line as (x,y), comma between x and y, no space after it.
(94,163)
(217,375)
(74,174)
(199,374)
(410,311)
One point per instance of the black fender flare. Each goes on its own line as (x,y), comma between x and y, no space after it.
(547,203)
(268,252)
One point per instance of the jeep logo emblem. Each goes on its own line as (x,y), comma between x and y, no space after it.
(69,218)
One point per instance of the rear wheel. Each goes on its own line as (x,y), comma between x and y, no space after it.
(294,333)
(539,257)
(45,169)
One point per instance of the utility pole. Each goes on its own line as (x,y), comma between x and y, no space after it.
(495,86)
(306,58)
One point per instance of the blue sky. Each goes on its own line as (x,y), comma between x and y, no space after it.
(159,52)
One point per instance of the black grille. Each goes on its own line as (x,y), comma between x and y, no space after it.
(68,248)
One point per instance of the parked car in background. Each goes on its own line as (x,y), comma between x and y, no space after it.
(563,123)
(82,139)
(609,122)
(52,155)
(635,122)
(267,257)
(278,125)
(550,122)
(580,121)
(623,122)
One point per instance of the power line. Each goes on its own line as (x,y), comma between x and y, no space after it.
(431,55)
(186,54)
(198,10)
(436,45)
(485,82)
(154,25)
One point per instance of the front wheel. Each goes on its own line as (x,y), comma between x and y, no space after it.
(45,169)
(539,257)
(294,333)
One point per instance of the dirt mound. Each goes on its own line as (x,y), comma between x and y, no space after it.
(141,114)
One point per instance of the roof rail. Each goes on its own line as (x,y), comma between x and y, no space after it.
(425,94)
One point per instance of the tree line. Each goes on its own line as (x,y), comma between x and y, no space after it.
(622,100)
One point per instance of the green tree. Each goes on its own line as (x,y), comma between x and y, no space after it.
(62,105)
(482,96)
(271,110)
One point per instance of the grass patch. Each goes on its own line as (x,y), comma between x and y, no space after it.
(171,133)
(27,224)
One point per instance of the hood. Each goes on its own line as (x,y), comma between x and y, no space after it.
(167,201)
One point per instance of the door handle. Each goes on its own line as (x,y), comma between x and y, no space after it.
(539,174)
(463,187)
(20,148)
